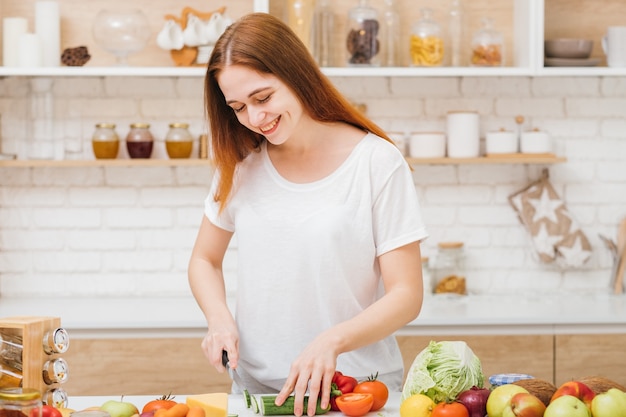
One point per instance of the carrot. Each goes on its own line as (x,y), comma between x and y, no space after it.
(179,410)
(196,411)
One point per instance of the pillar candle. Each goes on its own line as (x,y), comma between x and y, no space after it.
(29,50)
(48,27)
(12,29)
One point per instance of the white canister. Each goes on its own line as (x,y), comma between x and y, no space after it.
(427,145)
(535,141)
(501,141)
(463,129)
(399,138)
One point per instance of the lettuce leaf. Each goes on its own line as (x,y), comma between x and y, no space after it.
(443,370)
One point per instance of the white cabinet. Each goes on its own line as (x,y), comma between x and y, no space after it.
(525,25)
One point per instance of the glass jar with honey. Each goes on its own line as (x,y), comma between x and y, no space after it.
(22,402)
(178,141)
(105,141)
(139,141)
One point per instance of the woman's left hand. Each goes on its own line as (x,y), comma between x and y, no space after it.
(313,369)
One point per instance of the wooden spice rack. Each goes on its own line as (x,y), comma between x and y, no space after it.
(32,330)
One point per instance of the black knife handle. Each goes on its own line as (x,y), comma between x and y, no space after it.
(225,358)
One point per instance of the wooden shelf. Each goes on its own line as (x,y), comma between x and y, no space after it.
(41,163)
(504,159)
(492,159)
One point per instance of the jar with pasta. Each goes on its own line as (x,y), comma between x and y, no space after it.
(426,43)
(487,46)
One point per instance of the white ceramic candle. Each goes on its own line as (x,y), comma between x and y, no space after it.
(48,27)
(427,145)
(500,142)
(463,130)
(12,30)
(30,50)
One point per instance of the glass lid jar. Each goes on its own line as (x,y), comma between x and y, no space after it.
(426,42)
(487,46)
(363,44)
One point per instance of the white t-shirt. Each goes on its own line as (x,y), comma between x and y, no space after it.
(307,257)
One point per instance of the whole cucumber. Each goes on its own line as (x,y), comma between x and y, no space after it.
(269,408)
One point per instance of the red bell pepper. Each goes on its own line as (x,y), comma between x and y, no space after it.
(341,384)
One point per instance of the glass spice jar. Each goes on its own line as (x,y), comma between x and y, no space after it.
(449,268)
(105,141)
(426,43)
(178,141)
(363,45)
(20,402)
(487,46)
(139,141)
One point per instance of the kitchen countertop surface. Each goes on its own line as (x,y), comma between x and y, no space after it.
(440,315)
(236,404)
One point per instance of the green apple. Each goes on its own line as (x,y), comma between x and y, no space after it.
(119,408)
(567,406)
(500,399)
(609,404)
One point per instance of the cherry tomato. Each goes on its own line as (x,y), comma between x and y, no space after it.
(375,387)
(46,411)
(453,409)
(165,401)
(354,404)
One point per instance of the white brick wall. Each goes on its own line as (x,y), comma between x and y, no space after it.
(129,231)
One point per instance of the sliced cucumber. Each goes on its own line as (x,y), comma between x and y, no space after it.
(254,404)
(246,397)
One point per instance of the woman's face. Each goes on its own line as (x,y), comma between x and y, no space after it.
(262,102)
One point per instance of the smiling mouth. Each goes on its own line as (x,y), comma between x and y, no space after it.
(269,127)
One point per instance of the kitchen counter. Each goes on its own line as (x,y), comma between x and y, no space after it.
(236,404)
(440,315)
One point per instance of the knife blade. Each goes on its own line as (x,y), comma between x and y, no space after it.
(232,372)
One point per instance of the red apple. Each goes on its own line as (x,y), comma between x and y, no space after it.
(575,389)
(525,404)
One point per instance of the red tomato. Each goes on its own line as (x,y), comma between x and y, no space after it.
(355,405)
(453,409)
(46,411)
(166,401)
(375,387)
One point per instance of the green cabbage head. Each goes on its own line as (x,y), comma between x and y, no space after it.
(443,370)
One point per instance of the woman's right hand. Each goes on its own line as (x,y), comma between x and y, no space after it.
(218,340)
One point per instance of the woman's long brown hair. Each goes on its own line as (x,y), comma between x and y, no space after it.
(265,44)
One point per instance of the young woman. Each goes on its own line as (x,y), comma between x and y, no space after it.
(326,217)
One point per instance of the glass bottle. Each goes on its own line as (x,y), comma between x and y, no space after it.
(105,141)
(20,402)
(10,376)
(487,46)
(427,276)
(426,44)
(299,19)
(455,32)
(449,272)
(11,349)
(40,127)
(323,26)
(362,42)
(391,35)
(178,141)
(139,141)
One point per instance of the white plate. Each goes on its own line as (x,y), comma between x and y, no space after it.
(564,62)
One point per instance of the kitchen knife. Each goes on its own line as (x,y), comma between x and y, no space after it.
(232,372)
